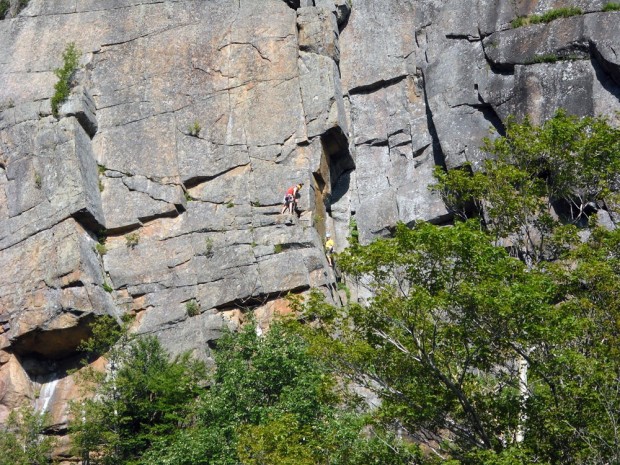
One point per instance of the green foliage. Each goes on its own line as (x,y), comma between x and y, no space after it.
(146,397)
(353,232)
(62,88)
(22,441)
(456,313)
(102,236)
(440,317)
(451,314)
(132,239)
(271,402)
(4,8)
(554,14)
(343,287)
(230,204)
(552,58)
(566,165)
(547,58)
(192,308)
(611,6)
(461,190)
(105,332)
(208,247)
(194,129)
(546,17)
(107,287)
(38,182)
(101,248)
(278,248)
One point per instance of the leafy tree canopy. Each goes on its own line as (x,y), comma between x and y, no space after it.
(494,341)
(268,401)
(22,439)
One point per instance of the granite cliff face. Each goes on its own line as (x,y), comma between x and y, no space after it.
(187,121)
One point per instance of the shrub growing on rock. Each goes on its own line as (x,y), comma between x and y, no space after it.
(62,88)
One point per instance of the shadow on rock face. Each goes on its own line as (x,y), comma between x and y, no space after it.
(54,343)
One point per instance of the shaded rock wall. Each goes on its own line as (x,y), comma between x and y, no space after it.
(189,119)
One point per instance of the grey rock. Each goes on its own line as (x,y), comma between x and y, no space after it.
(81,105)
(566,38)
(130,201)
(52,290)
(50,177)
(202,114)
(370,52)
(318,32)
(570,85)
(205,327)
(461,118)
(603,31)
(321,94)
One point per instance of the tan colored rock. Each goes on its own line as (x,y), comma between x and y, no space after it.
(267,313)
(15,387)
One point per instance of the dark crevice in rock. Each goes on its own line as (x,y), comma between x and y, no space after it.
(466,37)
(341,186)
(73,284)
(489,114)
(87,220)
(296,246)
(442,220)
(168,214)
(122,230)
(294,4)
(252,302)
(605,70)
(336,147)
(374,143)
(343,14)
(375,86)
(43,370)
(54,344)
(438,155)
(148,34)
(420,151)
(190,183)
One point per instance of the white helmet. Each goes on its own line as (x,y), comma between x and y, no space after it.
(328,235)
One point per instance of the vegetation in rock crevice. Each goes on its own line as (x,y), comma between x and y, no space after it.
(611,6)
(546,17)
(62,88)
(5,7)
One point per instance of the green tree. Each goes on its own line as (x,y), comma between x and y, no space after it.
(271,402)
(143,396)
(494,341)
(439,338)
(22,439)
(537,179)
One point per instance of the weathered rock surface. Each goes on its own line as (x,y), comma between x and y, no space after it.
(189,119)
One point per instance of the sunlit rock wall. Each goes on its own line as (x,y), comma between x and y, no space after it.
(187,122)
